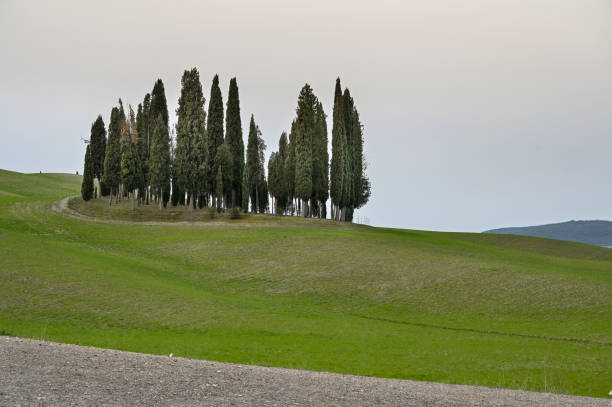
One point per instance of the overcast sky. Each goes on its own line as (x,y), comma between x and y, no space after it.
(477,113)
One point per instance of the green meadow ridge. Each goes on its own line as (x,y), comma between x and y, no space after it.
(493,310)
(595,232)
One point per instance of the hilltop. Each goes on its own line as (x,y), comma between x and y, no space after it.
(502,311)
(595,232)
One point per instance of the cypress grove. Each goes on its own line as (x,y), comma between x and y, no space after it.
(201,166)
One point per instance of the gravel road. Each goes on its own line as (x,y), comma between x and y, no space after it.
(45,373)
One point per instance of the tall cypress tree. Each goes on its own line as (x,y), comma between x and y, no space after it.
(233,135)
(214,125)
(338,152)
(255,166)
(219,188)
(290,167)
(303,149)
(112,158)
(273,180)
(143,125)
(131,171)
(131,168)
(143,152)
(97,141)
(160,160)
(264,201)
(244,203)
(361,186)
(87,186)
(158,106)
(320,163)
(348,193)
(283,189)
(224,162)
(191,162)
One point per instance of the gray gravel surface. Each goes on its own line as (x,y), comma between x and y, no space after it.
(45,373)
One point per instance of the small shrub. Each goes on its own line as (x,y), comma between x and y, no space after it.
(235,213)
(212,212)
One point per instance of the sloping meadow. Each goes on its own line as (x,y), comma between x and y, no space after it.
(459,308)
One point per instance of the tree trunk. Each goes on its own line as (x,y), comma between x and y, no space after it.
(256,200)
(133,201)
(190,198)
(233,197)
(161,200)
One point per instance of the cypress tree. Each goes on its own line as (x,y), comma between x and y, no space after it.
(348,191)
(143,152)
(131,169)
(233,131)
(159,104)
(144,124)
(224,161)
(290,167)
(191,163)
(264,201)
(303,147)
(255,165)
(97,141)
(175,193)
(160,160)
(338,152)
(112,158)
(87,186)
(144,145)
(320,163)
(362,186)
(131,175)
(214,125)
(219,188)
(283,152)
(277,180)
(245,187)
(273,181)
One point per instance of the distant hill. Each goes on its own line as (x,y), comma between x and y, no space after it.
(595,232)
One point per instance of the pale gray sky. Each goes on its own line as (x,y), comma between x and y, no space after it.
(477,113)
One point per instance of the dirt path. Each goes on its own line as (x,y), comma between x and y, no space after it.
(46,373)
(64,209)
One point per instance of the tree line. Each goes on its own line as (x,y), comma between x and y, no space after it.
(201,162)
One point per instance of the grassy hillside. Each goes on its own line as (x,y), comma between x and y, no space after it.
(501,311)
(597,232)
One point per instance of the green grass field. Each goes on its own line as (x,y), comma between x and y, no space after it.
(492,310)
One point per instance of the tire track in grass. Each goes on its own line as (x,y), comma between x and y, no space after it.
(480,331)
